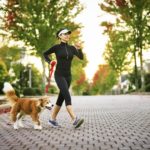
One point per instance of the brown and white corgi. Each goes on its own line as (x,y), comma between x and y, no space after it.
(25,106)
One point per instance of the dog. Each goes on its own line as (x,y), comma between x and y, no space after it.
(25,106)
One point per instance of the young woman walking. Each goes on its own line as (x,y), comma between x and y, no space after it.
(64,55)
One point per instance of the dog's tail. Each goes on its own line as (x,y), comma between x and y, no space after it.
(10,93)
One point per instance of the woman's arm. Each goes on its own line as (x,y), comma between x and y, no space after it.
(77,50)
(47,53)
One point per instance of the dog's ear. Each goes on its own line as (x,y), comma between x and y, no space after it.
(39,102)
(43,101)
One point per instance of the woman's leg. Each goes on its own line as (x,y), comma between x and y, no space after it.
(55,111)
(63,84)
(59,101)
(71,112)
(77,122)
(57,107)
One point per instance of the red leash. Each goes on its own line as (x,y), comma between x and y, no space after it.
(5,110)
(51,70)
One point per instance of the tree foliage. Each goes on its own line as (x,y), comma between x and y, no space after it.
(9,55)
(79,83)
(134,16)
(22,75)
(103,80)
(117,52)
(3,70)
(36,22)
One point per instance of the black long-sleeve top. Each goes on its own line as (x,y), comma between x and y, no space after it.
(64,55)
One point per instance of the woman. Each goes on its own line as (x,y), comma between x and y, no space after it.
(64,55)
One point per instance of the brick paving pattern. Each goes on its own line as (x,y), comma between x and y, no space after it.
(111,123)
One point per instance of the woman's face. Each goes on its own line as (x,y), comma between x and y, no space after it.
(64,37)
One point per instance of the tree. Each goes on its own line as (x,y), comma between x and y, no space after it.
(117,51)
(135,15)
(9,55)
(3,74)
(120,48)
(22,75)
(79,83)
(103,80)
(3,70)
(36,22)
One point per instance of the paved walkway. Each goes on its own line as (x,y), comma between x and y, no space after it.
(111,123)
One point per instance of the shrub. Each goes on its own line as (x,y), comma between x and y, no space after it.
(38,91)
(52,89)
(147,88)
(1,87)
(29,92)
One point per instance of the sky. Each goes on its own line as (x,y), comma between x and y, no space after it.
(94,40)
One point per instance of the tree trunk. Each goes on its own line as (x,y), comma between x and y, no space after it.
(140,42)
(135,70)
(142,71)
(141,58)
(43,77)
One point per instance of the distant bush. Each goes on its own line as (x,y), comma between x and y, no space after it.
(86,93)
(17,92)
(38,91)
(31,91)
(147,88)
(1,87)
(52,89)
(28,92)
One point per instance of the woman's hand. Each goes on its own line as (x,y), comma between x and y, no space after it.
(78,45)
(53,63)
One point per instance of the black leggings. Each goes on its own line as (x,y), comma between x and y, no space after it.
(63,84)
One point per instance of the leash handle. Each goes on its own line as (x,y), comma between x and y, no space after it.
(51,70)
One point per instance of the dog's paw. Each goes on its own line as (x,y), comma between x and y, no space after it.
(16,126)
(20,124)
(37,127)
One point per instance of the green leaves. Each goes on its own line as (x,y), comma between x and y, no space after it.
(36,22)
(103,80)
(133,16)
